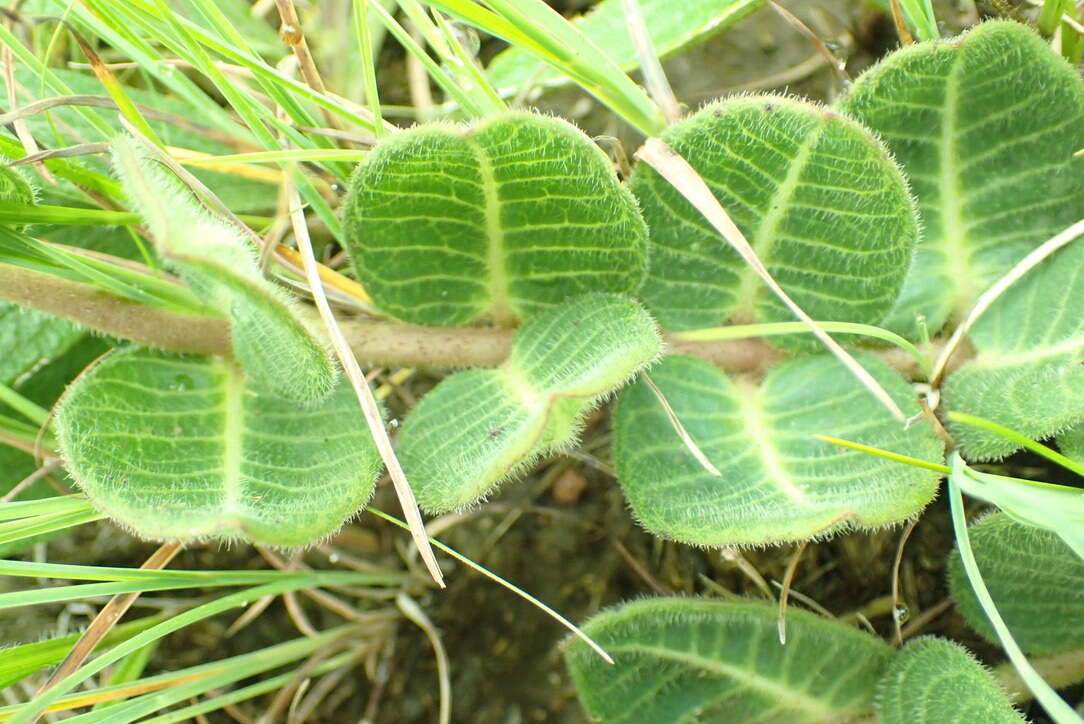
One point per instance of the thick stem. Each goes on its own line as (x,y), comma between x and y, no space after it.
(99,310)
(385,344)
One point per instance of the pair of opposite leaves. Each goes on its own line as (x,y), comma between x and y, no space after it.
(523,212)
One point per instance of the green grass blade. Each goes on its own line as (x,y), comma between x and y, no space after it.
(542,31)
(21,661)
(32,709)
(1036,447)
(905,459)
(1055,706)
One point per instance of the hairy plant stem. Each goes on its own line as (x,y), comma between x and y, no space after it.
(375,343)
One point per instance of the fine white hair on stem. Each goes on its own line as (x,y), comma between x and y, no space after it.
(683,177)
(987,298)
(368,402)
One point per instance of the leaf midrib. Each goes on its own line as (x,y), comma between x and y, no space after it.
(778,205)
(499,310)
(953,229)
(760,684)
(758,430)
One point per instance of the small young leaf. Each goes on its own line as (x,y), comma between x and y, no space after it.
(672,29)
(686,659)
(505,219)
(185,448)
(935,680)
(778,483)
(985,126)
(820,200)
(477,428)
(270,339)
(1027,374)
(1034,578)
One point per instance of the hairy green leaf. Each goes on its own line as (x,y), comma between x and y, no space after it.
(820,200)
(1071,442)
(778,483)
(985,127)
(29,338)
(935,680)
(270,338)
(479,427)
(693,660)
(1027,374)
(184,448)
(1034,578)
(672,29)
(14,189)
(512,216)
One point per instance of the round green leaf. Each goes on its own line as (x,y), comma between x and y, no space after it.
(778,483)
(817,196)
(985,126)
(479,427)
(185,448)
(505,219)
(692,660)
(1027,374)
(1033,577)
(937,681)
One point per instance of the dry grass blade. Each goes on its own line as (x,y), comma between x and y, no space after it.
(22,130)
(365,394)
(896,618)
(901,24)
(105,620)
(680,429)
(683,177)
(837,65)
(79,149)
(47,467)
(784,591)
(987,298)
(414,612)
(658,85)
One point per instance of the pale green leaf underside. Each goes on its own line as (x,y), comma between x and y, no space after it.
(1071,442)
(1033,577)
(479,427)
(818,197)
(270,339)
(691,660)
(505,219)
(28,338)
(935,681)
(985,127)
(672,28)
(184,448)
(778,483)
(1027,374)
